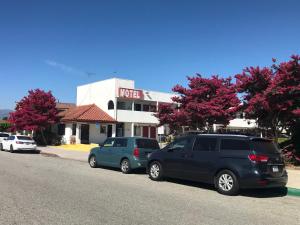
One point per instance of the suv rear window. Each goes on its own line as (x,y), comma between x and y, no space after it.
(264,146)
(235,144)
(147,143)
(4,135)
(24,138)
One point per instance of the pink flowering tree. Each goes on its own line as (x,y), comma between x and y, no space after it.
(206,101)
(271,95)
(35,112)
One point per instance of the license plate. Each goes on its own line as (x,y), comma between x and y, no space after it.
(275,169)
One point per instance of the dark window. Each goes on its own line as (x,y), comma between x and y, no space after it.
(264,146)
(4,135)
(137,107)
(110,105)
(234,144)
(61,129)
(120,142)
(11,138)
(74,129)
(147,143)
(109,142)
(152,108)
(124,105)
(179,144)
(205,144)
(146,108)
(24,138)
(102,129)
(121,105)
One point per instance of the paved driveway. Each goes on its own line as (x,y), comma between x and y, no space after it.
(35,189)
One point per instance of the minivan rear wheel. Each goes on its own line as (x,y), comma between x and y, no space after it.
(125,166)
(227,183)
(155,171)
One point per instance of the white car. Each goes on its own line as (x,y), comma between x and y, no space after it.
(3,136)
(18,143)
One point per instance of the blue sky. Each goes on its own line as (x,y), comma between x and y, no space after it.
(54,44)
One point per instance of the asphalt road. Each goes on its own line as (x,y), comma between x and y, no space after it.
(35,189)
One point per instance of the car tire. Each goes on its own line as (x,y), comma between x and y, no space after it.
(11,149)
(93,161)
(1,147)
(155,171)
(125,166)
(227,183)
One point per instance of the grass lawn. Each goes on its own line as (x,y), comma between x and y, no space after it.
(77,147)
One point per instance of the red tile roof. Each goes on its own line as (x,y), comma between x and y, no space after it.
(87,113)
(63,107)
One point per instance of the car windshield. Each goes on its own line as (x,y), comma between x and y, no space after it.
(24,138)
(4,135)
(147,143)
(264,146)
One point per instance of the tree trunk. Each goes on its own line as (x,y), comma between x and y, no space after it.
(43,137)
(275,134)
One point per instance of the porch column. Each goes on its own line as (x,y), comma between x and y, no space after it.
(78,133)
(114,130)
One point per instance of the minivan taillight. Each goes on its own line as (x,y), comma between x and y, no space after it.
(136,152)
(258,158)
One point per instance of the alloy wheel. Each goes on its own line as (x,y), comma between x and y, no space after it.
(154,171)
(93,162)
(226,182)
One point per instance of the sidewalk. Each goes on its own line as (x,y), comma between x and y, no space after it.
(66,154)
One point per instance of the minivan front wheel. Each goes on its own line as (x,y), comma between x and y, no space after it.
(155,171)
(93,162)
(227,183)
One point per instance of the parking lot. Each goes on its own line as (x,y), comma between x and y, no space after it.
(36,189)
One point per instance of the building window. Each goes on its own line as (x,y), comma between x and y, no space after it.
(61,129)
(102,129)
(124,105)
(137,107)
(146,108)
(152,108)
(74,129)
(110,105)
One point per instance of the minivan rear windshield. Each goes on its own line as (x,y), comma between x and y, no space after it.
(24,138)
(264,146)
(4,135)
(147,143)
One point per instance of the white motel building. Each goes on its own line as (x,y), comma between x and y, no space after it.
(116,108)
(111,108)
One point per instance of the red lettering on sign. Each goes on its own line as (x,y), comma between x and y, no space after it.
(130,93)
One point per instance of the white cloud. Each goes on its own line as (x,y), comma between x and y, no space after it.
(63,67)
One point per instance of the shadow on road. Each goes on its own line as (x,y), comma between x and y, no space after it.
(254,193)
(27,152)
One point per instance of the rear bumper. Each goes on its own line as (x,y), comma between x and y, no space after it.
(264,182)
(138,163)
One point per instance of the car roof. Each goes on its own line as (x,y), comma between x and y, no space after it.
(238,136)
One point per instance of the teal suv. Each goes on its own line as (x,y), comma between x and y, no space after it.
(126,153)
